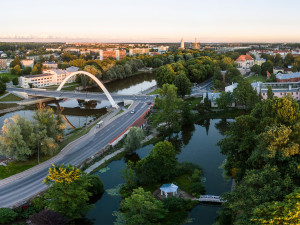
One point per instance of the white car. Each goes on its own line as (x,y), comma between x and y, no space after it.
(132,111)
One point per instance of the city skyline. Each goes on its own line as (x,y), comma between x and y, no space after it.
(160,21)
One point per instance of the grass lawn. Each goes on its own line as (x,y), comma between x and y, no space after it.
(8,105)
(10,97)
(67,87)
(9,75)
(193,101)
(256,78)
(155,92)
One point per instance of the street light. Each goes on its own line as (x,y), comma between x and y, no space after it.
(39,151)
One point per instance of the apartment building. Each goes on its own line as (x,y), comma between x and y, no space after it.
(48,78)
(137,51)
(279,89)
(4,63)
(116,54)
(50,65)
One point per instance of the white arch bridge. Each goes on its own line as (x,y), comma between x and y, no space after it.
(58,94)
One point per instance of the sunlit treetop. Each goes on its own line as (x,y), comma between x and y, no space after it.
(62,174)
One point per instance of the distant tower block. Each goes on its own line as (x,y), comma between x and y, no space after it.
(196,45)
(181,45)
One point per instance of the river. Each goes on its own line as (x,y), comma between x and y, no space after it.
(198,145)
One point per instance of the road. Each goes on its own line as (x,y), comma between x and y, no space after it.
(201,88)
(19,190)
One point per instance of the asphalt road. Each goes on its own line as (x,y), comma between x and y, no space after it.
(203,87)
(22,189)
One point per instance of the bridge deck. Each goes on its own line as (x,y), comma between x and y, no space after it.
(210,198)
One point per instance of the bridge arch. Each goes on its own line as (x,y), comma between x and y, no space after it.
(112,102)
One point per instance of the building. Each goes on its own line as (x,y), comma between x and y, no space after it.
(292,77)
(278,69)
(116,54)
(138,51)
(196,45)
(27,63)
(50,65)
(181,45)
(279,89)
(259,61)
(4,63)
(48,78)
(245,62)
(37,57)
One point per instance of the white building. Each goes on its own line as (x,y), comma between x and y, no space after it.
(50,65)
(48,78)
(259,61)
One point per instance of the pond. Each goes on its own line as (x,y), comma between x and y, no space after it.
(198,145)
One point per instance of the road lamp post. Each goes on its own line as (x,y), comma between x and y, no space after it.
(39,151)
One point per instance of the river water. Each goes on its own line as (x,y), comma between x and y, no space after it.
(78,113)
(198,145)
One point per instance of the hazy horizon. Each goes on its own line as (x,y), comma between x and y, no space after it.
(141,21)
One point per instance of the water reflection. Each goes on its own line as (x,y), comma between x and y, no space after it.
(129,85)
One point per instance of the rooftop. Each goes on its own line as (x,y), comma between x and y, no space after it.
(287,76)
(244,58)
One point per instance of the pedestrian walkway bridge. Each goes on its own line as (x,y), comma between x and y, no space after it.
(210,198)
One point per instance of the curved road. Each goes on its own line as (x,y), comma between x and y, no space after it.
(20,190)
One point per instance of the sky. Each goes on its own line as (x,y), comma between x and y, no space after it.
(150,20)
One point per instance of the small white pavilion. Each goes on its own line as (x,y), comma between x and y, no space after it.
(168,188)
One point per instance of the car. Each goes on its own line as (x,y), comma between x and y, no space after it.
(149,103)
(132,111)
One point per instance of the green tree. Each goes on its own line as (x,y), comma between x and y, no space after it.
(142,208)
(17,138)
(159,165)
(233,75)
(27,70)
(183,84)
(15,62)
(225,100)
(168,118)
(165,75)
(245,95)
(15,81)
(266,66)
(68,196)
(4,79)
(133,140)
(16,70)
(256,69)
(270,93)
(277,213)
(78,63)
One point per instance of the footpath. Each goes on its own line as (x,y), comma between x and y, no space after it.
(99,163)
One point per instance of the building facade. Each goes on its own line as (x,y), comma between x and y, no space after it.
(138,51)
(48,78)
(27,63)
(245,62)
(50,65)
(4,63)
(116,54)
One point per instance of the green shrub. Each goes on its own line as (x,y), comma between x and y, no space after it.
(39,203)
(24,212)
(174,204)
(96,188)
(7,215)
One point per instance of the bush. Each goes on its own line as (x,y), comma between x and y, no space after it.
(7,215)
(174,204)
(96,188)
(39,203)
(15,81)
(24,212)
(48,217)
